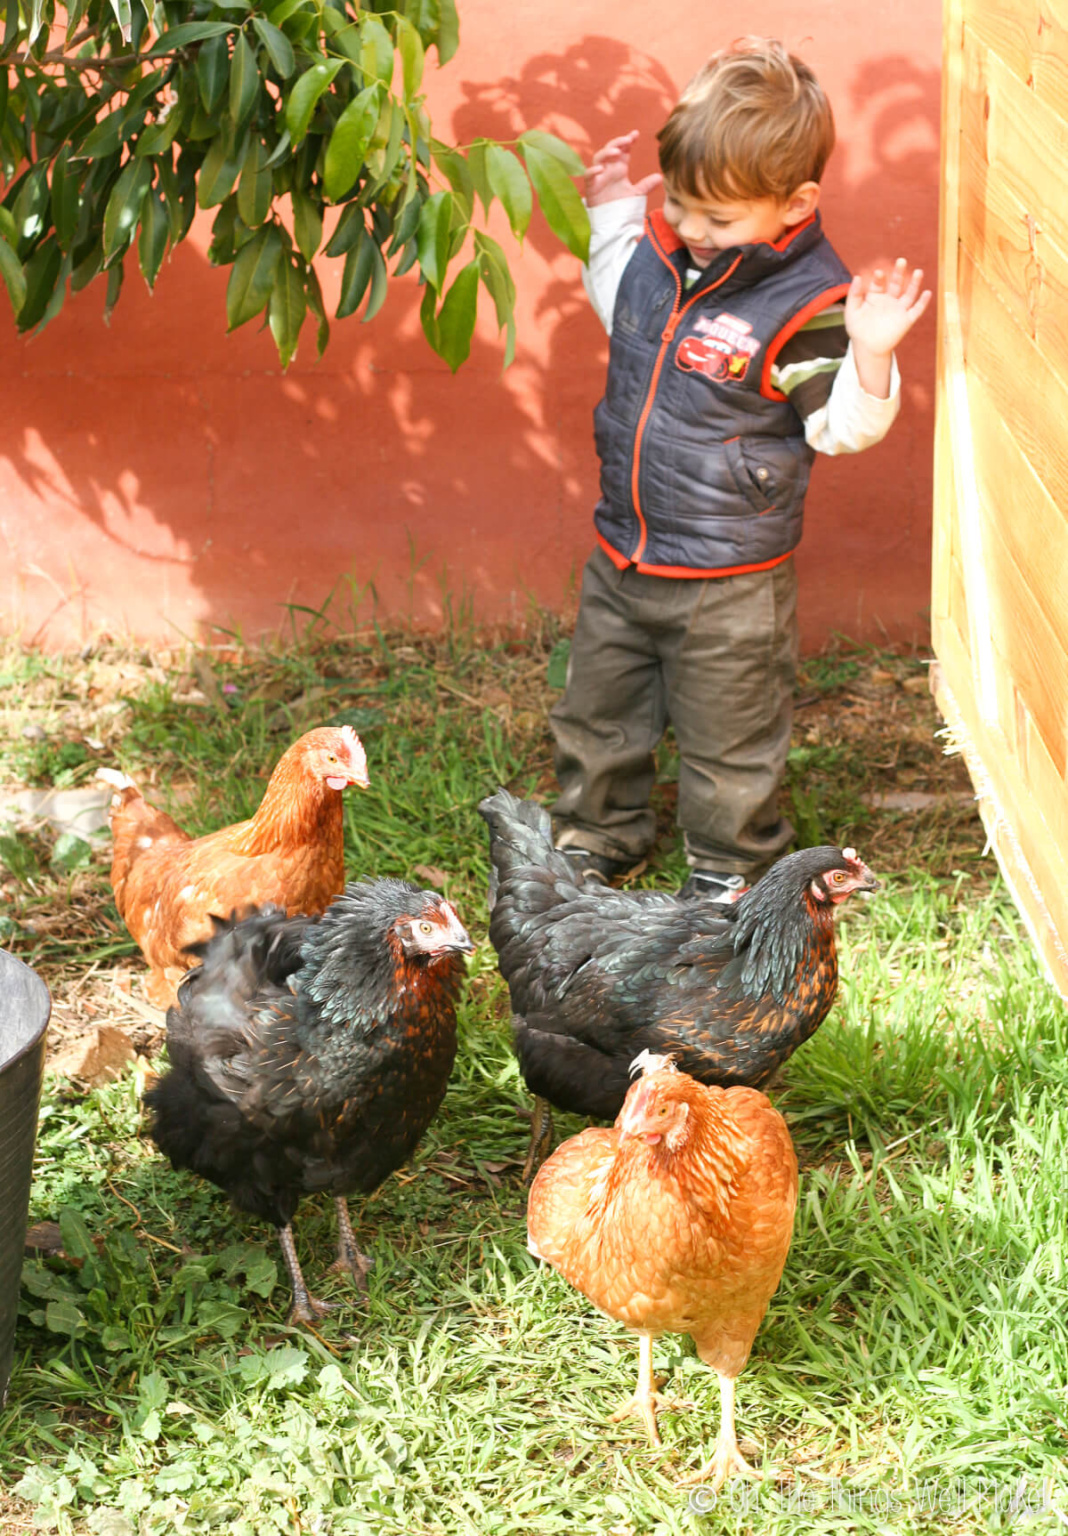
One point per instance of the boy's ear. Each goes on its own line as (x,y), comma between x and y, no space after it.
(802,204)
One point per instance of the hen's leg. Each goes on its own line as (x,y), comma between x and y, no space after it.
(349,1258)
(541,1138)
(728,1459)
(306,1307)
(646,1397)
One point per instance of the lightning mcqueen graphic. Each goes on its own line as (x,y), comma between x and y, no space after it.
(723,349)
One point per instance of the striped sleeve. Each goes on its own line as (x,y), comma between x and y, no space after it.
(806,367)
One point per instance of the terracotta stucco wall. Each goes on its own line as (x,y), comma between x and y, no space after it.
(160,477)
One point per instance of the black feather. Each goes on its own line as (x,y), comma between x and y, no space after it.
(597,975)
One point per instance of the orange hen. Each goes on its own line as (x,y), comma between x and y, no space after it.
(677,1220)
(291,853)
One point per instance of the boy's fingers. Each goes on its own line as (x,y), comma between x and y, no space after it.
(647,184)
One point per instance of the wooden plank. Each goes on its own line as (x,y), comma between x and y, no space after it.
(1032,649)
(1031,39)
(1026,139)
(952,75)
(1026,853)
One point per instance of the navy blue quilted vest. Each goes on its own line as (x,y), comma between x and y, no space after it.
(704,464)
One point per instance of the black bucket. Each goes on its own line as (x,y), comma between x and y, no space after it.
(24,1009)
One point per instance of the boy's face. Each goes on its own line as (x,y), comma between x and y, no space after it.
(708,225)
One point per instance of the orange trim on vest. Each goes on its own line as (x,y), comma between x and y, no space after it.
(622,563)
(815,306)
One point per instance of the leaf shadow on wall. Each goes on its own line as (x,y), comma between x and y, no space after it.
(183,482)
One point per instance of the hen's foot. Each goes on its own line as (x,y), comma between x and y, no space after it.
(352,1262)
(308,1309)
(727,1462)
(645,1405)
(541,1139)
(349,1261)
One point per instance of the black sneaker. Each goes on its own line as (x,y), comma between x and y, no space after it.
(707,885)
(597,868)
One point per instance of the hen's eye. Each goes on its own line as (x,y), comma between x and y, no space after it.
(331,758)
(426,928)
(663,1109)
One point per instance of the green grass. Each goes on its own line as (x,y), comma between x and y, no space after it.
(917,1349)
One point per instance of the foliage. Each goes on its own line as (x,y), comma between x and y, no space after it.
(119,118)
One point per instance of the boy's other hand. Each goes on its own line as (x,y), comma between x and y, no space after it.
(608,178)
(879,312)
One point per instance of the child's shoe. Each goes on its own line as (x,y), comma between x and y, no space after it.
(598,868)
(708,885)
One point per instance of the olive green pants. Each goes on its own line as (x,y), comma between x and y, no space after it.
(716,657)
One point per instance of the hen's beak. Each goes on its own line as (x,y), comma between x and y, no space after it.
(457,936)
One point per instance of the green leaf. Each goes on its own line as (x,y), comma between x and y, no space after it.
(435,228)
(152,243)
(556,675)
(548,144)
(476,164)
(159,136)
(413,56)
(350,227)
(456,319)
(219,171)
(302,98)
(307,225)
(428,317)
(32,206)
(379,283)
(376,50)
(105,139)
(318,309)
(189,32)
(252,276)
(64,1317)
(64,198)
(111,298)
(347,149)
(77,1241)
(213,69)
(509,182)
(560,202)
(359,264)
(255,190)
(279,48)
(13,276)
(121,9)
(70,851)
(493,270)
(448,38)
(287,311)
(124,206)
(244,81)
(456,168)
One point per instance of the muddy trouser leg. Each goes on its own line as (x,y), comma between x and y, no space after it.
(610,719)
(730,683)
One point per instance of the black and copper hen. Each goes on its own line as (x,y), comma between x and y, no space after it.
(310,1055)
(596,976)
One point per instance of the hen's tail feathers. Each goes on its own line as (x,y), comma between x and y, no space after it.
(243,956)
(521,836)
(116,779)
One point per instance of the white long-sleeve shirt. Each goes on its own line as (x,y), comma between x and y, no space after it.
(815,369)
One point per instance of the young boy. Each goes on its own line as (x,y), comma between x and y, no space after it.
(740,347)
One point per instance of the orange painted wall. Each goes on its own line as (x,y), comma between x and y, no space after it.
(160,477)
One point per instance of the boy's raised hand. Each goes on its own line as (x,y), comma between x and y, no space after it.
(608,178)
(879,312)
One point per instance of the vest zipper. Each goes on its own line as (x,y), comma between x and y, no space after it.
(666,337)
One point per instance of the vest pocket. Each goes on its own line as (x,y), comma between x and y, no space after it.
(768,471)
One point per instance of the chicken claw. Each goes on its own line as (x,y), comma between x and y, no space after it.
(306,1307)
(646,1398)
(349,1261)
(728,1459)
(541,1139)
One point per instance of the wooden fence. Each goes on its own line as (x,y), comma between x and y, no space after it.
(1000,583)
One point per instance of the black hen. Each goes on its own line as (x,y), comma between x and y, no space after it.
(311,1054)
(597,976)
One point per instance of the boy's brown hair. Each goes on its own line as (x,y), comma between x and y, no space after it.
(754,122)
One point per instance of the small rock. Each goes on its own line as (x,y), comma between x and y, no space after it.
(103,1054)
(34,733)
(916,685)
